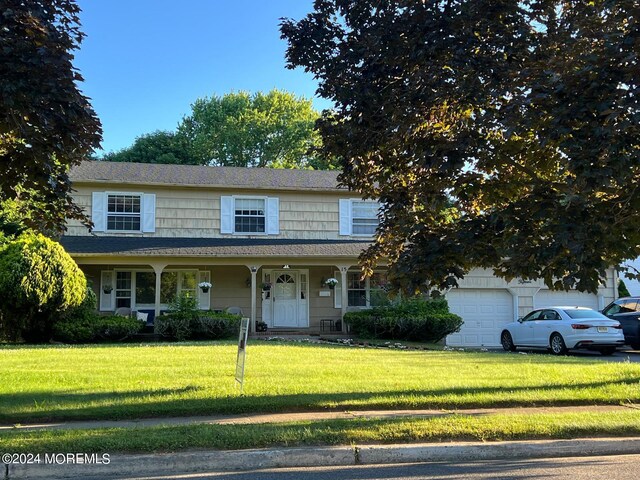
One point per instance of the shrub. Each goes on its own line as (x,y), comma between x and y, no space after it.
(117,327)
(199,326)
(95,328)
(416,318)
(38,280)
(78,324)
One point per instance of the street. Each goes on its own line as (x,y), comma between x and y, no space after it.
(623,467)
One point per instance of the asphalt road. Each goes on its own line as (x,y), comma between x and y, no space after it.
(624,467)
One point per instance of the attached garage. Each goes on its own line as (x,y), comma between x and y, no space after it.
(484,312)
(551,298)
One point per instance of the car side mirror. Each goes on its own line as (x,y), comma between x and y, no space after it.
(520,320)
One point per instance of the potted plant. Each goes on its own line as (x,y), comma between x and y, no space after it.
(204,286)
(331,283)
(107,289)
(261,326)
(266,287)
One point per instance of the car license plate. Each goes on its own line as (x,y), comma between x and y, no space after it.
(602,329)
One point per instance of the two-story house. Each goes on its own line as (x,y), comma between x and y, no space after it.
(266,239)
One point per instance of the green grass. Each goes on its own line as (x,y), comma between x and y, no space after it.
(133,381)
(335,432)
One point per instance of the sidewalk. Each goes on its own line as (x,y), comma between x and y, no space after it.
(305,416)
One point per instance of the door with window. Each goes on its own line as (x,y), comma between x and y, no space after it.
(285,299)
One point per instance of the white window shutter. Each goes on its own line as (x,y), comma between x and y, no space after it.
(107,300)
(337,292)
(99,211)
(204,299)
(345,216)
(149,212)
(273,215)
(226,214)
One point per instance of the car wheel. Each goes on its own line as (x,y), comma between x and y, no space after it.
(557,344)
(608,351)
(507,342)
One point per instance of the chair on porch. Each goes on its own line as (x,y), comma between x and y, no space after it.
(123,311)
(235,311)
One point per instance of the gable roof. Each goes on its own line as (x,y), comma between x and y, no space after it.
(91,171)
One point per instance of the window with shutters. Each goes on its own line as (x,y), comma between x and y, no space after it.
(364,218)
(123,213)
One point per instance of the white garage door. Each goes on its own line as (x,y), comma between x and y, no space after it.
(551,298)
(484,312)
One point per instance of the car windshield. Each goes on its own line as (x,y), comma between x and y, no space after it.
(584,314)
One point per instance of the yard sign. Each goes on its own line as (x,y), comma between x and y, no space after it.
(242,352)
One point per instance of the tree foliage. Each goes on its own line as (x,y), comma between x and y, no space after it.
(157,147)
(497,134)
(38,280)
(275,129)
(46,124)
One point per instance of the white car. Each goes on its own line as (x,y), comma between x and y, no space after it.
(563,328)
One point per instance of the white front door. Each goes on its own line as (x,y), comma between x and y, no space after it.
(285,298)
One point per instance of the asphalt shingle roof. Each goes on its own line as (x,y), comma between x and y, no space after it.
(209,247)
(203,176)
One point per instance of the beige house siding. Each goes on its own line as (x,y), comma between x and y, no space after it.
(195,212)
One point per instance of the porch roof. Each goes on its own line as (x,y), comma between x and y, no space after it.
(209,247)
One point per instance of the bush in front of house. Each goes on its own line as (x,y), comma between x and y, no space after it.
(83,324)
(38,280)
(417,319)
(203,325)
(186,322)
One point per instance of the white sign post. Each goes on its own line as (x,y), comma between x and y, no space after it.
(242,352)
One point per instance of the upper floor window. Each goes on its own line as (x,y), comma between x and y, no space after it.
(249,215)
(364,218)
(123,213)
(359,217)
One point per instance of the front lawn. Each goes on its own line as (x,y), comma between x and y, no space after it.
(333,432)
(134,381)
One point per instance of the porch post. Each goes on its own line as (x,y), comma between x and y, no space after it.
(343,292)
(254,301)
(158,268)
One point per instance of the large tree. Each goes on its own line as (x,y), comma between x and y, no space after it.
(156,147)
(275,129)
(46,124)
(496,133)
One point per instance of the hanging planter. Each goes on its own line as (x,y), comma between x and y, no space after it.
(331,283)
(266,287)
(107,290)
(205,286)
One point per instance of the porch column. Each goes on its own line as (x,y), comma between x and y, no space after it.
(343,292)
(254,301)
(158,268)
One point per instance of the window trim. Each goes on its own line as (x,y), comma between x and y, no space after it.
(265,199)
(367,289)
(107,194)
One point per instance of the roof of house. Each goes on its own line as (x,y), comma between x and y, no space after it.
(204,176)
(209,247)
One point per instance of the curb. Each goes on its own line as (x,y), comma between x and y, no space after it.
(126,466)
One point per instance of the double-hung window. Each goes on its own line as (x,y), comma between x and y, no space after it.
(359,217)
(250,215)
(245,215)
(363,292)
(123,212)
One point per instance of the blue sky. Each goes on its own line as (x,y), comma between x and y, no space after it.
(145,61)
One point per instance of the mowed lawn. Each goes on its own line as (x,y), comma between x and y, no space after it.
(134,381)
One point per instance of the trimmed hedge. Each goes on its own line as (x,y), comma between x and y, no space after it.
(418,319)
(96,328)
(203,325)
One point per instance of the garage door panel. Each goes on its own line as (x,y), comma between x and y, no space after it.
(550,298)
(484,311)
